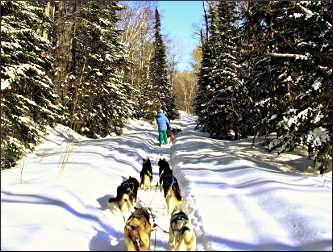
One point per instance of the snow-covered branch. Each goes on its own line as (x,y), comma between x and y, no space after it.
(289,55)
(306,11)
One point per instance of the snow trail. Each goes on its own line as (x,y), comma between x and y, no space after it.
(237,196)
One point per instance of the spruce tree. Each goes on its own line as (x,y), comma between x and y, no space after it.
(28,101)
(291,78)
(255,64)
(99,103)
(305,32)
(225,94)
(201,98)
(160,87)
(207,78)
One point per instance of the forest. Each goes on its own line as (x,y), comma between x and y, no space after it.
(260,69)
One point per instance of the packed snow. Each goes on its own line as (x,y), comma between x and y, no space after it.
(238,196)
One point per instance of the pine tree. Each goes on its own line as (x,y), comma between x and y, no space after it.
(255,64)
(207,77)
(291,78)
(202,96)
(225,94)
(28,101)
(99,103)
(305,30)
(160,86)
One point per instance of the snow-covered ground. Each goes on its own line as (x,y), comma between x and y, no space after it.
(238,197)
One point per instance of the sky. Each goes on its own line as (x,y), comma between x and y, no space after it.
(178,22)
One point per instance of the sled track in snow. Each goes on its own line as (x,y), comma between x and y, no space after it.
(155,200)
(190,207)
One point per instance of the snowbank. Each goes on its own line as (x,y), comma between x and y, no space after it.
(237,197)
(247,201)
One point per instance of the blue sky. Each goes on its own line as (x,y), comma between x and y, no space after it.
(178,19)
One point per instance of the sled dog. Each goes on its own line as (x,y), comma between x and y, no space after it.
(181,233)
(164,169)
(170,134)
(175,131)
(126,197)
(146,175)
(137,231)
(172,194)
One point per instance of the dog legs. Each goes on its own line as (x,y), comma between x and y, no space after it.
(126,206)
(172,240)
(146,183)
(129,245)
(187,241)
(172,201)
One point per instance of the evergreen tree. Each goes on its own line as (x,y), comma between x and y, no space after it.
(225,94)
(160,87)
(202,96)
(99,103)
(275,77)
(255,64)
(230,94)
(291,79)
(304,67)
(207,74)
(28,101)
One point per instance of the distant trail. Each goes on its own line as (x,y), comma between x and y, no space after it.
(156,201)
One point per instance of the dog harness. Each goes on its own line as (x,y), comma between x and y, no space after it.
(173,182)
(178,217)
(136,241)
(129,185)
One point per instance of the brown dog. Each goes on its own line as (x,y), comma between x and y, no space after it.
(137,231)
(171,136)
(181,233)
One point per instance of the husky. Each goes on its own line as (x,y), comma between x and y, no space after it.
(171,192)
(181,233)
(126,197)
(138,230)
(164,169)
(146,175)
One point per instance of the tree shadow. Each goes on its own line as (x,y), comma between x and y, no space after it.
(221,153)
(321,245)
(99,242)
(43,200)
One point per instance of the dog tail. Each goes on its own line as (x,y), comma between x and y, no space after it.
(112,200)
(112,203)
(177,194)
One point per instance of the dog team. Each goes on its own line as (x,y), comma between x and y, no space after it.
(139,222)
